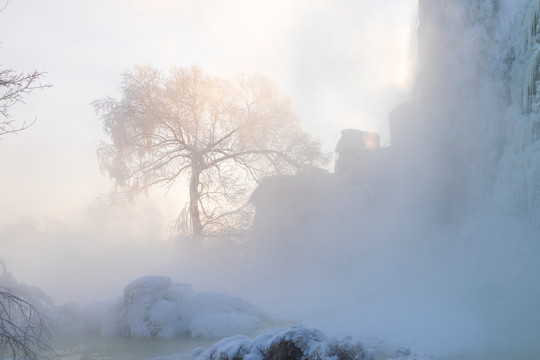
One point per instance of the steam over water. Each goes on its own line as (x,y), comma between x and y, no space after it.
(437,247)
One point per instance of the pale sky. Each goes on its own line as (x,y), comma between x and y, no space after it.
(343,63)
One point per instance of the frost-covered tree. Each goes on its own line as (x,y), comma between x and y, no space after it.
(222,135)
(23,331)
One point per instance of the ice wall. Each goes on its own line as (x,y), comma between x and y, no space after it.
(480,64)
(519,172)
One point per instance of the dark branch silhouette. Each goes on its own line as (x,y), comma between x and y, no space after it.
(14,87)
(23,328)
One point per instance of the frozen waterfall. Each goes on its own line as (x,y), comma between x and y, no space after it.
(443,243)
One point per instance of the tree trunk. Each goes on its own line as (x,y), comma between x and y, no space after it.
(196,226)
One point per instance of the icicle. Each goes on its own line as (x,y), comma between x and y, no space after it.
(532,56)
(531,24)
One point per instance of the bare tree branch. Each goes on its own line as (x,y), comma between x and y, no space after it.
(23,328)
(13,88)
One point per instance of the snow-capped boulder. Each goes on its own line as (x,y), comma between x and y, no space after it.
(154,306)
(294,343)
(144,311)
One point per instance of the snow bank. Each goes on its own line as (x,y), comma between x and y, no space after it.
(156,307)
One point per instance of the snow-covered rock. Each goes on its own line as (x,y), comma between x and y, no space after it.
(154,306)
(144,311)
(294,343)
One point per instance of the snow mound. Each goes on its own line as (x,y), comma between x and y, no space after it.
(294,343)
(156,307)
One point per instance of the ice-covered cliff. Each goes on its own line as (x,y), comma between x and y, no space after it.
(479,73)
(438,249)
